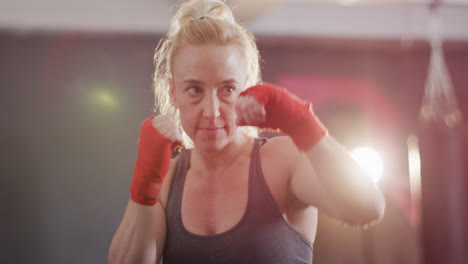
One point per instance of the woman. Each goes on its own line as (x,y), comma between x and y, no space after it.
(233,197)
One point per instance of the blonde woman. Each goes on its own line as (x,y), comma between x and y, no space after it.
(229,196)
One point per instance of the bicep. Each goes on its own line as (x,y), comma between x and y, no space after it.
(306,187)
(293,167)
(302,186)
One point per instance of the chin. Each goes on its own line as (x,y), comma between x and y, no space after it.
(211,145)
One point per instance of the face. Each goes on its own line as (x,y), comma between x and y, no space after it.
(206,81)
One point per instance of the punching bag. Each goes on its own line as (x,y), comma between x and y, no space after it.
(441,146)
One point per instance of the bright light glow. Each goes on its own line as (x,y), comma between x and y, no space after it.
(370,161)
(414,164)
(105,99)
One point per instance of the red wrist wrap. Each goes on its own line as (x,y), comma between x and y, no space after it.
(154,156)
(287,112)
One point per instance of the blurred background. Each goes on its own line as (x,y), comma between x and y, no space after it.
(75,85)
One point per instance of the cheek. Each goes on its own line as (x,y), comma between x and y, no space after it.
(229,114)
(188,117)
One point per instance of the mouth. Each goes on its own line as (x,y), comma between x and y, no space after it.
(211,130)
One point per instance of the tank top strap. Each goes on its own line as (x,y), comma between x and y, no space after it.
(254,167)
(262,205)
(261,236)
(174,200)
(261,202)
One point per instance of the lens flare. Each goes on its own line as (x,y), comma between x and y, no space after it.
(370,160)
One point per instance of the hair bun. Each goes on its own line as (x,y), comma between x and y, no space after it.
(200,9)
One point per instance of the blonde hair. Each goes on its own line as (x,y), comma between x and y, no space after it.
(198,22)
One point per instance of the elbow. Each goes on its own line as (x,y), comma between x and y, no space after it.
(119,255)
(116,258)
(125,257)
(112,258)
(369,214)
(115,254)
(375,213)
(112,254)
(131,251)
(372,209)
(380,208)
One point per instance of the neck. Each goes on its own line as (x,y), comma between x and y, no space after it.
(213,162)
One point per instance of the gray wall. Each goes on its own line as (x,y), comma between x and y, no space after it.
(67,156)
(70,109)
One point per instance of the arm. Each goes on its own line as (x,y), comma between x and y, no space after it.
(141,235)
(322,173)
(346,194)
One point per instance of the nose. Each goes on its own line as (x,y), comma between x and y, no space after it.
(211,106)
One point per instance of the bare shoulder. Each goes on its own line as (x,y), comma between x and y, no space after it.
(280,150)
(278,157)
(166,186)
(280,160)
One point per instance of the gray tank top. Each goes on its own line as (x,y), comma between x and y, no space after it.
(262,236)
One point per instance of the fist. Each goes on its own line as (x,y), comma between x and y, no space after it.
(284,111)
(168,128)
(249,111)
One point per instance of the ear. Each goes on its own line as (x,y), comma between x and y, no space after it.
(172,92)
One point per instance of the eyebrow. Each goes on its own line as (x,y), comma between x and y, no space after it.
(200,82)
(230,81)
(193,81)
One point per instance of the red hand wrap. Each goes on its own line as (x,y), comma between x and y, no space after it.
(154,156)
(287,112)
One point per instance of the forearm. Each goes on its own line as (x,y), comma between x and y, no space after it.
(350,194)
(339,185)
(140,235)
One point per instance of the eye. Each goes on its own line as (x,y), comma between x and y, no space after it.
(228,90)
(194,90)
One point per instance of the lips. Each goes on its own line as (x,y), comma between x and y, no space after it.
(211,130)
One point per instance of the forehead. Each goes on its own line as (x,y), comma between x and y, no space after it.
(209,61)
